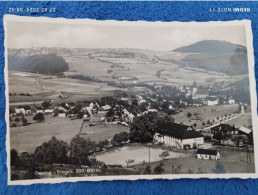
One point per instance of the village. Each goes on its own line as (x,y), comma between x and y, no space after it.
(189,133)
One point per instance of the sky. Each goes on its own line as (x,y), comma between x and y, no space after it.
(151,37)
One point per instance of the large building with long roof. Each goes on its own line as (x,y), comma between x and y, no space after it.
(178,136)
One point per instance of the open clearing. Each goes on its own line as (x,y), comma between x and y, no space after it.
(51,85)
(144,68)
(27,138)
(137,153)
(232,160)
(207,113)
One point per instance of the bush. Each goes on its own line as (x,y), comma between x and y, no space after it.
(39,117)
(53,151)
(159,169)
(80,149)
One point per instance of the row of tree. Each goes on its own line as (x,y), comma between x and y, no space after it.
(59,152)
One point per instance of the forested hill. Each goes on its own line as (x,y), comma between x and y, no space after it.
(219,56)
(43,64)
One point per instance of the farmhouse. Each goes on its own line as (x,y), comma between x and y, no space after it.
(200,94)
(208,154)
(105,108)
(231,100)
(49,110)
(61,114)
(178,136)
(213,101)
(39,110)
(245,131)
(27,110)
(20,110)
(225,129)
(59,111)
(197,102)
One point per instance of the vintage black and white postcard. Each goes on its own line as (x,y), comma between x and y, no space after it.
(106,100)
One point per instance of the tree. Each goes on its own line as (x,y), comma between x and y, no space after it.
(14,157)
(190,171)
(17,120)
(102,144)
(46,104)
(53,151)
(147,170)
(164,154)
(143,127)
(39,117)
(80,150)
(110,113)
(165,105)
(129,161)
(189,114)
(218,136)
(24,121)
(120,138)
(159,169)
(219,168)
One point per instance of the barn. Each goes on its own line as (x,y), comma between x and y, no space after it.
(208,154)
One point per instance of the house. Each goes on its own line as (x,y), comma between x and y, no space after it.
(87,110)
(39,110)
(245,131)
(59,111)
(12,112)
(141,100)
(128,116)
(213,101)
(49,110)
(197,102)
(231,100)
(225,129)
(105,108)
(96,119)
(20,110)
(61,114)
(200,93)
(207,154)
(27,110)
(61,108)
(95,108)
(178,136)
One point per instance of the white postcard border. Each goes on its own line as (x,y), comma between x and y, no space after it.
(251,66)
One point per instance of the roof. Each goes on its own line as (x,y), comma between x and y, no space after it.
(61,108)
(201,91)
(27,107)
(224,127)
(197,101)
(245,130)
(106,107)
(207,151)
(212,99)
(178,131)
